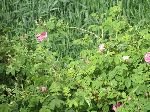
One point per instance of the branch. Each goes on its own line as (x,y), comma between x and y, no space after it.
(85,31)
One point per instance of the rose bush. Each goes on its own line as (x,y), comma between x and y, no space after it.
(61,73)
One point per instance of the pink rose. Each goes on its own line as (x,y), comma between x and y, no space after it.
(101,47)
(116,106)
(42,36)
(147,57)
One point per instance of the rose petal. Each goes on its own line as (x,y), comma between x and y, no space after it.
(114,107)
(42,36)
(101,47)
(147,57)
(125,58)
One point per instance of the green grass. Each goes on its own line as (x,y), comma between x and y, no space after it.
(19,16)
(137,11)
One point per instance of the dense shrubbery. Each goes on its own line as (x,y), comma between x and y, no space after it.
(61,72)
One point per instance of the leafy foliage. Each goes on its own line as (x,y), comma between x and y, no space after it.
(68,72)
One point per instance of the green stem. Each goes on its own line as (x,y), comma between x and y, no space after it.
(81,29)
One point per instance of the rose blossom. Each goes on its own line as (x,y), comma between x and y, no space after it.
(101,47)
(147,57)
(114,107)
(42,36)
(125,58)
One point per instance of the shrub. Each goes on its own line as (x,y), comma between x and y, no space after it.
(62,73)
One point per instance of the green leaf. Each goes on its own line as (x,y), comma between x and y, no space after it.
(50,24)
(4,108)
(137,79)
(23,110)
(128,82)
(55,103)
(105,108)
(55,87)
(124,95)
(45,109)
